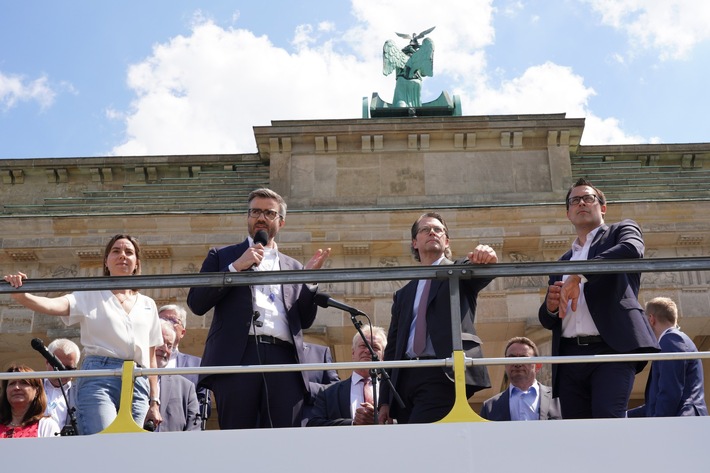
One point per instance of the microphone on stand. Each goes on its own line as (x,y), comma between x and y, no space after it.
(38,345)
(324,300)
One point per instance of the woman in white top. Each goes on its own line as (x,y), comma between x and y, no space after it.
(115,326)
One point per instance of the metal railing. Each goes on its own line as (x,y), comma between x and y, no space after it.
(460,412)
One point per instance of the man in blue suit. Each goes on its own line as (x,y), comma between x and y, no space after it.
(317,380)
(675,387)
(350,402)
(595,314)
(525,398)
(257,325)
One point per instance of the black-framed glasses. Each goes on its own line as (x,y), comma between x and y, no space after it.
(268,214)
(586,198)
(426,230)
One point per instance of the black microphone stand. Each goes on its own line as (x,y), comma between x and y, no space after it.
(375,373)
(69,429)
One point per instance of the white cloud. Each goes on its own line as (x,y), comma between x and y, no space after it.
(15,88)
(672,27)
(203,93)
(548,88)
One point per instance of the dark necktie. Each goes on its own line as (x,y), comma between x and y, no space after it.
(419,343)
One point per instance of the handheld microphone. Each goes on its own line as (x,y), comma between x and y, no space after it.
(261,237)
(149,426)
(324,300)
(38,345)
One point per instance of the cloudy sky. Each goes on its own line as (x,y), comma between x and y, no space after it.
(136,77)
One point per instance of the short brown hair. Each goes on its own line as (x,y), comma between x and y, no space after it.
(663,308)
(265,193)
(583,182)
(522,341)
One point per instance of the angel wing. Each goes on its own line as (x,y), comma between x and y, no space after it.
(392,57)
(423,59)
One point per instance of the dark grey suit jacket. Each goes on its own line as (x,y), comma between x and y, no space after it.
(332,406)
(178,404)
(498,406)
(438,317)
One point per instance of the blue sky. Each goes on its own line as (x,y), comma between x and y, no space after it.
(94,78)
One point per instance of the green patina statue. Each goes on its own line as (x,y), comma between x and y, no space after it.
(411,63)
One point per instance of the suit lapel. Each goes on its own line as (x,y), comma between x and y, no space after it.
(595,244)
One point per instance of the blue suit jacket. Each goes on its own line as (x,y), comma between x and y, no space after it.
(178,404)
(674,387)
(498,407)
(233,311)
(438,318)
(612,298)
(333,406)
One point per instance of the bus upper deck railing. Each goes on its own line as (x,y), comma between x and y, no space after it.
(461,411)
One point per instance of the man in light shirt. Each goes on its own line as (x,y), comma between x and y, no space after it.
(68,353)
(350,402)
(596,314)
(525,398)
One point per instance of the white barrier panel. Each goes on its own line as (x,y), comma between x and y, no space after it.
(579,446)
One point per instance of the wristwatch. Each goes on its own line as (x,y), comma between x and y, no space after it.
(154,400)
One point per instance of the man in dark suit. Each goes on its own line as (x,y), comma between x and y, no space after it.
(178,401)
(675,387)
(317,380)
(596,314)
(351,401)
(525,398)
(257,325)
(429,393)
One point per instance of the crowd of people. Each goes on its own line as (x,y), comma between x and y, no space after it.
(588,314)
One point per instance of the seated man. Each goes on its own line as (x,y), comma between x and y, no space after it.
(350,402)
(525,398)
(68,353)
(178,400)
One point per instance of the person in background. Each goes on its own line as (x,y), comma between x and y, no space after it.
(421,329)
(317,380)
(178,400)
(596,314)
(257,325)
(525,398)
(674,387)
(68,354)
(177,315)
(351,401)
(116,326)
(22,407)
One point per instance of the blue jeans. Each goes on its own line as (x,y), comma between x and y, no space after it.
(98,399)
